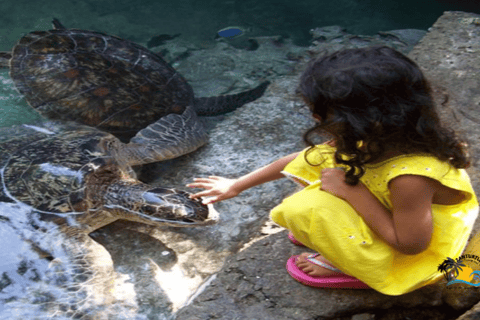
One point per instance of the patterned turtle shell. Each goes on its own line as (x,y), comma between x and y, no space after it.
(97,79)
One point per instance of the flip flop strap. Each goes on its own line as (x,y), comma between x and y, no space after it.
(322,264)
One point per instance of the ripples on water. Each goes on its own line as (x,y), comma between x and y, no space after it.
(42,274)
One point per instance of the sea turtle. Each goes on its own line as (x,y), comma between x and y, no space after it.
(76,179)
(107,82)
(65,170)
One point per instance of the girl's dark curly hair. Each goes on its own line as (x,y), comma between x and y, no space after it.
(378,96)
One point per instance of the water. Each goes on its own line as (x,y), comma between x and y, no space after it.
(13,109)
(198,21)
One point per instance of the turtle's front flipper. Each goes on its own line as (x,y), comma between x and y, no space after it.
(170,137)
(5,59)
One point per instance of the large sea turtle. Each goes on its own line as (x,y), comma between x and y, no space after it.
(64,169)
(76,179)
(107,82)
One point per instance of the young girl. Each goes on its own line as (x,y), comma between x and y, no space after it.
(388,199)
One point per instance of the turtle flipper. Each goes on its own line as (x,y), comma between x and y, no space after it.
(5,59)
(212,106)
(170,137)
(57,24)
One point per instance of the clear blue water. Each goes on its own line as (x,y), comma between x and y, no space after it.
(198,21)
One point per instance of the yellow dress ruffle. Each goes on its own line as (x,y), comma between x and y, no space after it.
(330,226)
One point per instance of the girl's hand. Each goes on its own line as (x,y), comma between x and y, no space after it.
(333,181)
(217,189)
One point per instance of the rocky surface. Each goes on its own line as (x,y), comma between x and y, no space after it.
(253,284)
(155,271)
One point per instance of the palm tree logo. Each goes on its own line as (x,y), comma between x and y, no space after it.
(451,268)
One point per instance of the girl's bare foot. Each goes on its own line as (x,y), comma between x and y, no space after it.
(311,268)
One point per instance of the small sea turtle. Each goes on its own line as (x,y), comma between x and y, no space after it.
(67,170)
(106,82)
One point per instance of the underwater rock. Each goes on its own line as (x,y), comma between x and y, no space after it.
(408,36)
(334,38)
(328,33)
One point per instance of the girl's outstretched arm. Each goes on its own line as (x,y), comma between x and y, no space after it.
(218,188)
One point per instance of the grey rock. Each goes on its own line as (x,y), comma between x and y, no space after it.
(254,283)
(471,314)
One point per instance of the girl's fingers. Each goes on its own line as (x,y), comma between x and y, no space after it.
(199,185)
(198,195)
(209,179)
(205,193)
(202,180)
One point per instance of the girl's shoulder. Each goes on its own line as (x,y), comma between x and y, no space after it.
(419,164)
(415,161)
(422,165)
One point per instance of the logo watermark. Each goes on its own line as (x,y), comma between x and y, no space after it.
(464,269)
(459,270)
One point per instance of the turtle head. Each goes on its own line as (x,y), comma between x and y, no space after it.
(159,206)
(174,207)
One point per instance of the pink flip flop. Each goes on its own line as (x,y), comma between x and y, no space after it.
(339,281)
(295,241)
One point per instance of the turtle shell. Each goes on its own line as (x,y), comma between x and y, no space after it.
(97,79)
(47,167)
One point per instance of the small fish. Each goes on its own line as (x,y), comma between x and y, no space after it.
(231,32)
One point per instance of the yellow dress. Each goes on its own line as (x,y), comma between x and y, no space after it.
(330,226)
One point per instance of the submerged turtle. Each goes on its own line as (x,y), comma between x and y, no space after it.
(70,170)
(106,82)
